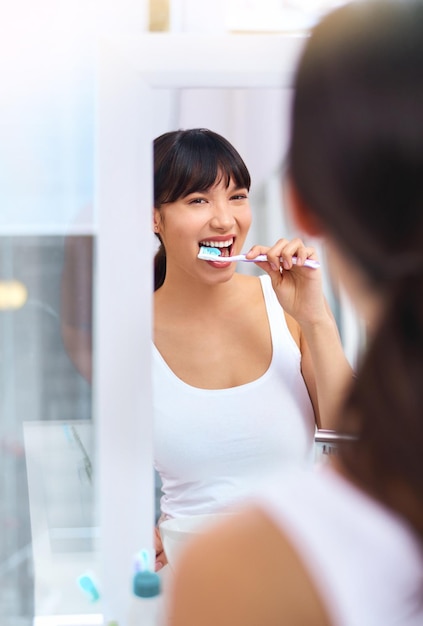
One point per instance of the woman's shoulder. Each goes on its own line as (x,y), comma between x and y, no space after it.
(240,555)
(249,285)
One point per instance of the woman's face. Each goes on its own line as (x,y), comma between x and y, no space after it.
(219,217)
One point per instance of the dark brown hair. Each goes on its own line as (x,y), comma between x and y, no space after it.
(191,160)
(356,159)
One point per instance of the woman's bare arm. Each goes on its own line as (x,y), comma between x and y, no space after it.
(326,370)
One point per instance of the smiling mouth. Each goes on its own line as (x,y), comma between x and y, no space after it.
(225,247)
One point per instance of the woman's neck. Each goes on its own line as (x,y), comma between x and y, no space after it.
(188,295)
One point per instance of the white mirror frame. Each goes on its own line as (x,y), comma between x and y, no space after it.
(128,72)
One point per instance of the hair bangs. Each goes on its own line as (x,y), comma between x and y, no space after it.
(199,160)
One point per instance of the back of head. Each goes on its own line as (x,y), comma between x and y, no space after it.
(356,159)
(357,150)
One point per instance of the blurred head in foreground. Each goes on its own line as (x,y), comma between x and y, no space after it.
(356,164)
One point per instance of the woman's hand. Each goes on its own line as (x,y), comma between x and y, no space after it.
(298,288)
(161,559)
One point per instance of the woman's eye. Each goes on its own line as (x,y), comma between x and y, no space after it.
(197,201)
(239,196)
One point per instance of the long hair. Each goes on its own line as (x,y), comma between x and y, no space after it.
(356,159)
(191,160)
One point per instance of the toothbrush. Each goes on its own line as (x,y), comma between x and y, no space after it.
(214,254)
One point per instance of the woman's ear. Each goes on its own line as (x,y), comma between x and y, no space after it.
(304,219)
(156,220)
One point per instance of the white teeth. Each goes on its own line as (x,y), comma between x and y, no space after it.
(217,244)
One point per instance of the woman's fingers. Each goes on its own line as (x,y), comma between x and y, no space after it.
(282,252)
(161,559)
(256,251)
(286,250)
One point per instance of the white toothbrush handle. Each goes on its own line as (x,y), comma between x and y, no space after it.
(242,257)
(263,257)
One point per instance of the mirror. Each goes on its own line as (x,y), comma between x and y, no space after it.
(255,121)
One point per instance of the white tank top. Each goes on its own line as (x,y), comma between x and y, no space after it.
(366,563)
(210,445)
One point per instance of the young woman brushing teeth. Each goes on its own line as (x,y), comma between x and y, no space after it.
(244,367)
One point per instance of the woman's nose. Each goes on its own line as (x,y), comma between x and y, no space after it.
(223,217)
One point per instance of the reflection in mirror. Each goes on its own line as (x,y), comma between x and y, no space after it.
(255,122)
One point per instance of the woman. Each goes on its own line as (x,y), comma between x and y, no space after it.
(242,372)
(343,546)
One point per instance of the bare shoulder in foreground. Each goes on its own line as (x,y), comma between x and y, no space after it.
(259,582)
